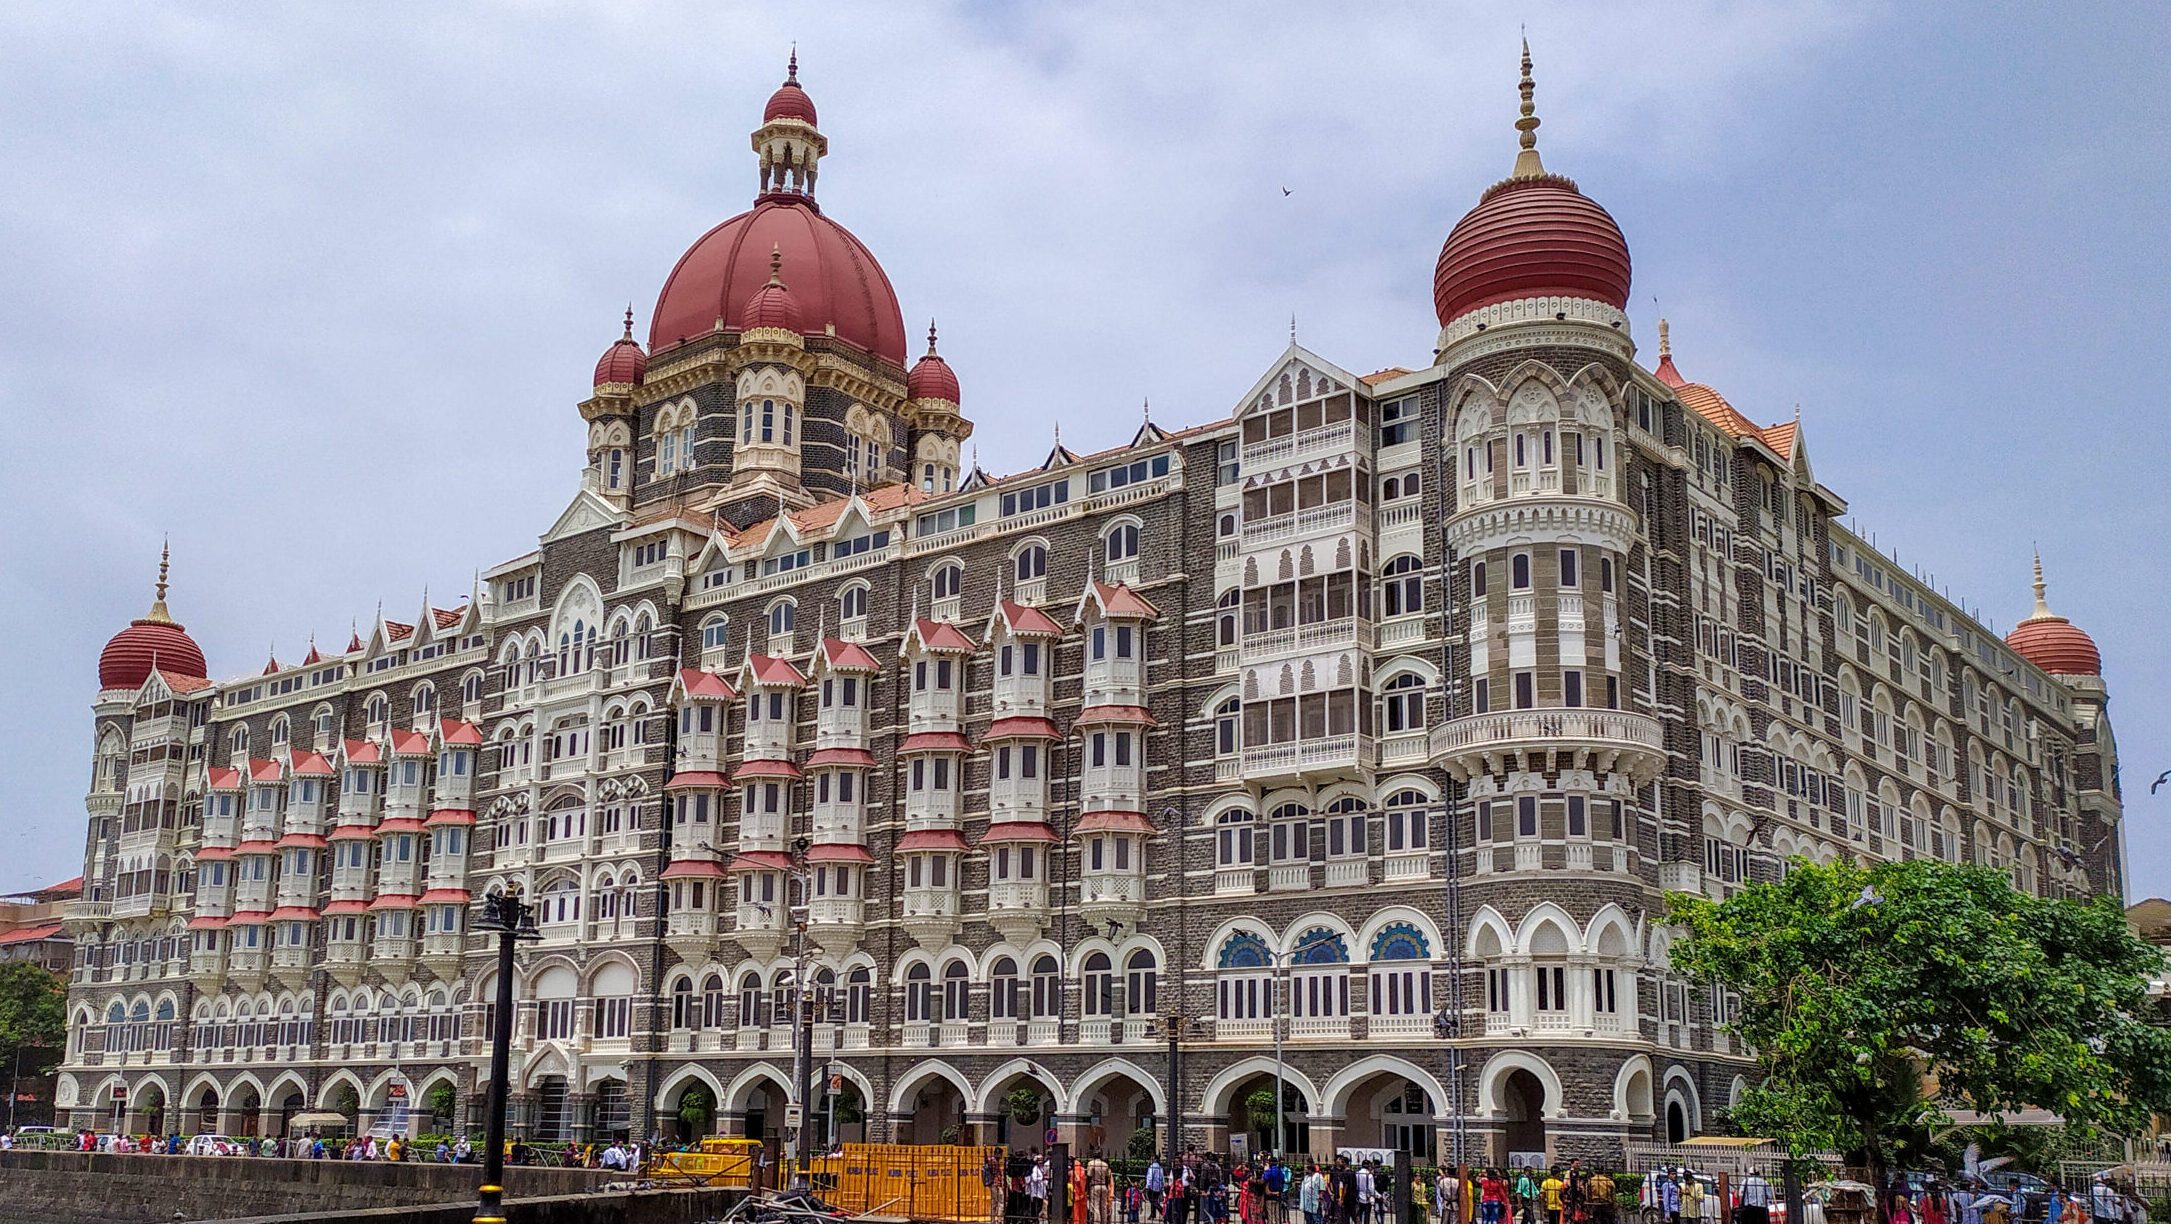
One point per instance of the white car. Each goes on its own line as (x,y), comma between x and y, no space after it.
(216,1145)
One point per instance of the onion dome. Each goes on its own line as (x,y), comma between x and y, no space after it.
(772,304)
(155,640)
(1533,234)
(623,362)
(932,377)
(790,101)
(2054,643)
(839,289)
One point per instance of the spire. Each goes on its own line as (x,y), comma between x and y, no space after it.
(1665,340)
(2042,609)
(629,321)
(776,268)
(930,337)
(158,614)
(1666,373)
(1527,164)
(791,70)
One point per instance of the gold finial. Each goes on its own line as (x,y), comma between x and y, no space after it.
(776,264)
(158,613)
(629,320)
(930,337)
(1527,164)
(1665,339)
(2042,609)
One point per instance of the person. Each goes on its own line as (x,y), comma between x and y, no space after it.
(1367,1192)
(1312,1194)
(1156,1186)
(1446,1197)
(1669,1197)
(1526,1196)
(1077,1185)
(463,1151)
(1549,1195)
(1036,1186)
(1692,1197)
(1933,1205)
(1492,1198)
(1100,1188)
(1133,1199)
(1903,1211)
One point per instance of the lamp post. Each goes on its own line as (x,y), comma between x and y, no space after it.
(1282,961)
(514,921)
(803,1020)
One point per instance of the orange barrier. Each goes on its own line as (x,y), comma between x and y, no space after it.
(907,1180)
(720,1162)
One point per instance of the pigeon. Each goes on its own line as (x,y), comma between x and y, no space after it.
(2161,778)
(1286,191)
(1868,896)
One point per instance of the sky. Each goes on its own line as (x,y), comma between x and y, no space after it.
(314,289)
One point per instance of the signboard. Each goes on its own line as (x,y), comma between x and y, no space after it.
(1239,1148)
(1383,1157)
(792,1115)
(1048,1138)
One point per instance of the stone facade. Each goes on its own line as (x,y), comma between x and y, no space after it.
(1378,716)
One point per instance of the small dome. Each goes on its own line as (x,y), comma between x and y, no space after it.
(623,361)
(931,376)
(772,304)
(1532,235)
(2054,643)
(789,101)
(154,640)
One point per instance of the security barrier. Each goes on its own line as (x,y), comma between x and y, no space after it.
(908,1181)
(720,1162)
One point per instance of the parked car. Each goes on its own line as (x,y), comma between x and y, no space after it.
(217,1145)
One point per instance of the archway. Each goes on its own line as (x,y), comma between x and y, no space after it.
(293,1103)
(206,1111)
(151,1110)
(610,1117)
(247,1106)
(553,1112)
(1025,1103)
(1522,1100)
(938,1114)
(1123,1106)
(694,1110)
(1251,1114)
(1677,1121)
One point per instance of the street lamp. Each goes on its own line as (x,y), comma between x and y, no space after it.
(514,922)
(803,1017)
(1281,962)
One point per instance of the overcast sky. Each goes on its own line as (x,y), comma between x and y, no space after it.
(315,288)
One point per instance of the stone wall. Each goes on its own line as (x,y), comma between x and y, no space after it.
(91,1188)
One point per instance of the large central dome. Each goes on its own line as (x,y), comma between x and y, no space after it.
(835,283)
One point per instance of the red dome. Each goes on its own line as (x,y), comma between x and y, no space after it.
(789,101)
(772,304)
(1531,237)
(623,361)
(2056,645)
(835,281)
(932,377)
(154,640)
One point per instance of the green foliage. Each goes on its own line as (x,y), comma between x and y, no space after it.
(1141,1144)
(1024,1105)
(346,1101)
(693,1108)
(1945,979)
(950,1135)
(33,1017)
(440,1099)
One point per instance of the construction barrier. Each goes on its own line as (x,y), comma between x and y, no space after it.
(908,1181)
(720,1162)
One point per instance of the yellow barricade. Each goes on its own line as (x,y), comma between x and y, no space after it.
(908,1181)
(720,1162)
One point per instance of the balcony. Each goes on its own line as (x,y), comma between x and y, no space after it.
(1540,514)
(1018,909)
(1605,741)
(1327,755)
(1349,872)
(1345,633)
(1319,1028)
(1304,524)
(1336,439)
(1117,895)
(931,915)
(1399,1026)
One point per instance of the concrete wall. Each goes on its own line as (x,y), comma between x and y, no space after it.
(644,1207)
(81,1188)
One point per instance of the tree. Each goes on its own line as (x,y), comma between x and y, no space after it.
(1024,1104)
(33,1017)
(693,1108)
(1259,1111)
(1875,998)
(441,1100)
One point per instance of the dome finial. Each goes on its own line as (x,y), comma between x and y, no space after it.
(791,71)
(158,613)
(2042,608)
(776,264)
(1527,164)
(629,321)
(1665,339)
(930,337)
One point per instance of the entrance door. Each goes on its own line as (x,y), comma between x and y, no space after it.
(551,1123)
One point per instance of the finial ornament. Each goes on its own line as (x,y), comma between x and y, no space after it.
(791,72)
(930,337)
(1146,409)
(629,320)
(776,264)
(1665,339)
(1292,327)
(2042,608)
(1527,164)
(158,613)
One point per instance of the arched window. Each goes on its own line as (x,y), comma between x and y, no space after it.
(1407,822)
(1123,543)
(1230,605)
(956,991)
(783,614)
(1003,990)
(1100,988)
(858,995)
(1233,839)
(682,1004)
(425,703)
(281,733)
(1047,988)
(948,581)
(1477,580)
(1289,838)
(1404,587)
(919,993)
(1519,571)
(1244,987)
(1141,983)
(750,1012)
(1032,562)
(470,689)
(714,631)
(374,712)
(1228,716)
(1347,824)
(852,603)
(1401,977)
(1403,699)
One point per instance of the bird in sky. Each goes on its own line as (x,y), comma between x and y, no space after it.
(2161,778)
(1286,191)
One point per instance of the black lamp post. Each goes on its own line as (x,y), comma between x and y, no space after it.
(514,921)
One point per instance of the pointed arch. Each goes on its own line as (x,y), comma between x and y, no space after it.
(1494,1076)
(1221,1090)
(908,1084)
(988,1099)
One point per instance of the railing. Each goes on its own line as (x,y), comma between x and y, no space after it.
(1236,881)
(1325,752)
(1243,1030)
(1289,877)
(1340,633)
(1551,1022)
(1402,631)
(1402,514)
(1406,748)
(1334,516)
(1399,1026)
(1339,437)
(1620,727)
(1319,1028)
(1348,872)
(1397,868)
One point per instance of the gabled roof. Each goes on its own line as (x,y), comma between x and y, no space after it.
(312,765)
(840,655)
(265,771)
(822,520)
(1292,356)
(939,636)
(772,671)
(182,685)
(457,734)
(1118,601)
(362,752)
(411,743)
(702,686)
(1022,620)
(1376,377)
(220,778)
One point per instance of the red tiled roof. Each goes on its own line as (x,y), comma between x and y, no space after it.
(823,515)
(460,734)
(1101,714)
(72,887)
(363,752)
(215,853)
(1115,822)
(935,741)
(684,868)
(220,778)
(696,779)
(1377,377)
(349,833)
(301,841)
(250,918)
(856,757)
(932,839)
(942,636)
(445,896)
(1018,831)
(394,901)
(397,631)
(289,913)
(766,769)
(449,816)
(410,743)
(848,656)
(762,860)
(448,617)
(399,824)
(1781,438)
(1021,727)
(768,669)
(706,685)
(1028,621)
(1120,600)
(257,846)
(30,934)
(346,907)
(312,765)
(206,922)
(839,852)
(265,771)
(183,683)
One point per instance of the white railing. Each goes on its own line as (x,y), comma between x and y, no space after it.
(1289,448)
(1402,631)
(1552,1022)
(1402,514)
(1399,1026)
(1617,727)
(1325,752)
(1043,1032)
(1243,1030)
(1397,868)
(1236,881)
(1348,872)
(1096,1031)
(1319,1028)
(1569,613)
(1522,614)
(1289,877)
(1410,746)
